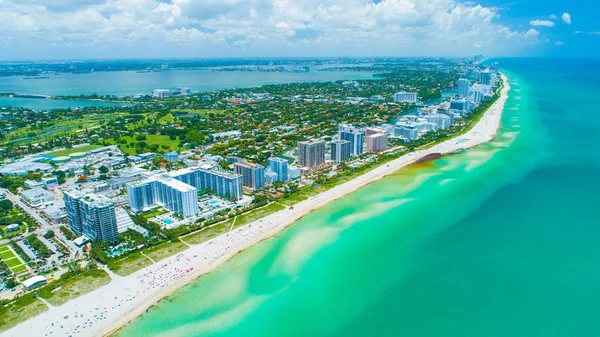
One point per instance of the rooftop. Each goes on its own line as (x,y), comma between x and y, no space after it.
(36,192)
(33,281)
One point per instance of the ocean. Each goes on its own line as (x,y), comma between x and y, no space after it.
(500,240)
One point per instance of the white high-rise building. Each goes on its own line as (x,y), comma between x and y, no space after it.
(406,97)
(165,191)
(463,86)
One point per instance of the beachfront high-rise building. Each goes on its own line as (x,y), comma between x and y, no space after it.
(71,199)
(406,131)
(356,138)
(340,150)
(311,153)
(440,120)
(281,167)
(463,86)
(165,191)
(377,142)
(253,175)
(478,97)
(486,77)
(141,195)
(91,215)
(406,97)
(223,183)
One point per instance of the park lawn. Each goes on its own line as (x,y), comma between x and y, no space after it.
(208,233)
(150,140)
(67,152)
(258,213)
(7,255)
(19,269)
(129,264)
(76,286)
(20,310)
(165,250)
(292,199)
(4,248)
(14,262)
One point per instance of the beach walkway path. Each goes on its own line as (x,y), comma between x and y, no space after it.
(149,258)
(232,223)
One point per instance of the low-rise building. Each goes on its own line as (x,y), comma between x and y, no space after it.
(37,197)
(172,156)
(406,97)
(32,183)
(50,182)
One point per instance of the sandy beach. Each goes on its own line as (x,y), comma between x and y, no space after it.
(107,309)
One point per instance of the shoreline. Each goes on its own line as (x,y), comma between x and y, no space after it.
(129,297)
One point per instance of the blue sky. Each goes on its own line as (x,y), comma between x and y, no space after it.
(80,29)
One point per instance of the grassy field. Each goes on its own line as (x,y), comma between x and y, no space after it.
(76,286)
(67,152)
(130,264)
(150,140)
(11,260)
(14,262)
(292,199)
(208,233)
(20,310)
(165,250)
(257,214)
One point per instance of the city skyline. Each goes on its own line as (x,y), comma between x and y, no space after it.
(124,29)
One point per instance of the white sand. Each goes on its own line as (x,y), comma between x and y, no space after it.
(112,306)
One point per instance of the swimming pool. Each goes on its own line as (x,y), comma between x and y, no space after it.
(168,221)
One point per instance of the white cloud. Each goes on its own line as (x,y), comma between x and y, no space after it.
(553,17)
(566,17)
(544,23)
(558,43)
(165,28)
(532,33)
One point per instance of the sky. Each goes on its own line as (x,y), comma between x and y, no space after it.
(97,29)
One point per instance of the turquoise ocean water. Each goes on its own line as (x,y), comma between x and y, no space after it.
(501,240)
